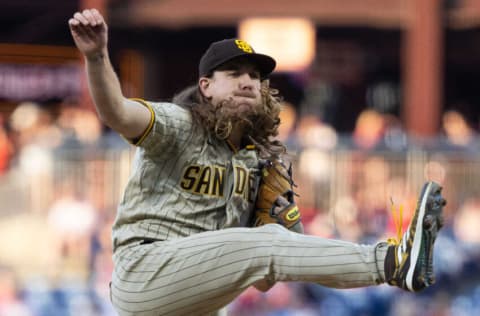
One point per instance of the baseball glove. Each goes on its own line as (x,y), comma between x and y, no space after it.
(275,203)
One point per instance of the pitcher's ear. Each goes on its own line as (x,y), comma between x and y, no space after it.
(204,84)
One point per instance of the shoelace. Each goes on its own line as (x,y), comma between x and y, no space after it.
(397,215)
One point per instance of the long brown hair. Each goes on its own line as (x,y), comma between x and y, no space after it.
(261,127)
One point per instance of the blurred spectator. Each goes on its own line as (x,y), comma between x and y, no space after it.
(369,130)
(35,136)
(435,170)
(312,132)
(72,221)
(81,127)
(345,215)
(314,162)
(312,176)
(467,223)
(395,136)
(372,197)
(33,124)
(458,132)
(320,225)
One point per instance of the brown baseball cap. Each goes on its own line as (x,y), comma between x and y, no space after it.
(222,51)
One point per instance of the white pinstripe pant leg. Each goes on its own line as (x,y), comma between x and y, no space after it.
(204,272)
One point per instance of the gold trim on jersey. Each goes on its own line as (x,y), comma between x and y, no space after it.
(138,141)
(235,149)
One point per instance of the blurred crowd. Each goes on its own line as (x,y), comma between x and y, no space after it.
(62,173)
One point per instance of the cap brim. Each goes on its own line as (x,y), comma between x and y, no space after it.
(264,63)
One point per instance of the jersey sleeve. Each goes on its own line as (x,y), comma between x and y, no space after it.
(169,125)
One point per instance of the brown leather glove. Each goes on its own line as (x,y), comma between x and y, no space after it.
(275,202)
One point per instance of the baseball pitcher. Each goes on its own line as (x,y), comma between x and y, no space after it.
(209,207)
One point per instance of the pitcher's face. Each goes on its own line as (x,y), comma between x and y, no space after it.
(238,83)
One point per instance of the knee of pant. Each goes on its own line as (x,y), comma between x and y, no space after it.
(275,232)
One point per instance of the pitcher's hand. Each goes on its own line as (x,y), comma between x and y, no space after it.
(89,31)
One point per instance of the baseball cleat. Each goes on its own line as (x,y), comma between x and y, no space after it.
(409,262)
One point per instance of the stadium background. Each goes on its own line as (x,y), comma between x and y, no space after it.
(389,100)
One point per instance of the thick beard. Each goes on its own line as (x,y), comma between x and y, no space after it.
(227,116)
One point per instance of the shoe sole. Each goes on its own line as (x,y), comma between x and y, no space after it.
(429,221)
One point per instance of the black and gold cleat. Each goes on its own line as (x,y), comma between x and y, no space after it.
(409,262)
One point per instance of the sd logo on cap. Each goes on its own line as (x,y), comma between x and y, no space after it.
(222,51)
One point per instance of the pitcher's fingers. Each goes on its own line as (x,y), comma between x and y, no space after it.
(87,14)
(73,22)
(78,16)
(76,27)
(98,17)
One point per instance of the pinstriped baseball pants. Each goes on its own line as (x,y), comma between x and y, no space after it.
(200,274)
